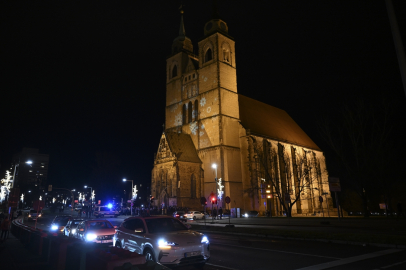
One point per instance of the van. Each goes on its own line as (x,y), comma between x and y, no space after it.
(104,211)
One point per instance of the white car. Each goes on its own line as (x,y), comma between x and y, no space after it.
(194,215)
(163,239)
(104,211)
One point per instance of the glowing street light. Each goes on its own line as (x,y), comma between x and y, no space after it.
(91,191)
(132,194)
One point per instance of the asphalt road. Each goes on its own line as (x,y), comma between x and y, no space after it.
(240,252)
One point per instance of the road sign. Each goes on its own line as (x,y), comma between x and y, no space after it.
(228,200)
(334,184)
(320,199)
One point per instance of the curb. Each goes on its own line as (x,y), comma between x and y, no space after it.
(311,239)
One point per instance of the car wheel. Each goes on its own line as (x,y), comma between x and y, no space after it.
(118,244)
(199,265)
(149,255)
(194,217)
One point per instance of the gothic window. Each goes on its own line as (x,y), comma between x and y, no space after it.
(174,71)
(196,109)
(193,187)
(184,114)
(189,115)
(208,56)
(226,52)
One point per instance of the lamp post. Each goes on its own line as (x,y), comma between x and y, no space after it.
(29,162)
(214,166)
(132,195)
(91,191)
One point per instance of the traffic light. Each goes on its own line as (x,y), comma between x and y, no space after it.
(213,200)
(151,198)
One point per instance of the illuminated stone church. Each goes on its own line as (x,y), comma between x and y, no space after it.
(261,155)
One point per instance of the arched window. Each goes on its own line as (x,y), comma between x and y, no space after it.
(226,52)
(193,187)
(184,114)
(208,56)
(189,113)
(196,109)
(174,71)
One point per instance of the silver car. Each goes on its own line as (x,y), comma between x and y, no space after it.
(163,239)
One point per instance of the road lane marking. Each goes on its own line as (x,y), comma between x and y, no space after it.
(351,259)
(274,250)
(384,267)
(216,265)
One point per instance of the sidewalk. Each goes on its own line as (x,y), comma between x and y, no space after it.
(14,256)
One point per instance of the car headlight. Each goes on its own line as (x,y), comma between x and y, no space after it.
(54,227)
(73,230)
(39,215)
(205,240)
(29,215)
(245,215)
(165,244)
(90,236)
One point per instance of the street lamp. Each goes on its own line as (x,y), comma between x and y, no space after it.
(91,191)
(29,162)
(132,190)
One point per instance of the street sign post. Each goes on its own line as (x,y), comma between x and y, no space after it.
(334,184)
(228,200)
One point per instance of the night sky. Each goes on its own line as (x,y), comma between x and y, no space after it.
(84,81)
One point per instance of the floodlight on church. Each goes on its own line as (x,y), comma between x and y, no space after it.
(214,166)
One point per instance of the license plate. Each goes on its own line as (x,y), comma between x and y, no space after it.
(106,241)
(193,253)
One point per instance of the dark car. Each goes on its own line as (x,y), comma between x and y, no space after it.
(180,215)
(71,227)
(250,214)
(59,223)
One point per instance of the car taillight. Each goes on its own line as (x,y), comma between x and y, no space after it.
(177,215)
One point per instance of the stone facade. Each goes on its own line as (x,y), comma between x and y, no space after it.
(202,103)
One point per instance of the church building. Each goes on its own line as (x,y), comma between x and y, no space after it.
(218,143)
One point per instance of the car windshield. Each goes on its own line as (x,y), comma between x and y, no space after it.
(76,222)
(33,211)
(160,225)
(96,225)
(61,220)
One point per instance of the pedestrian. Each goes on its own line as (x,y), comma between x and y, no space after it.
(215,213)
(221,213)
(5,226)
(400,210)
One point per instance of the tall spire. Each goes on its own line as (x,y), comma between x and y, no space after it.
(182,43)
(215,14)
(182,26)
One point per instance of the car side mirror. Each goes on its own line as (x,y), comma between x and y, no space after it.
(188,226)
(139,230)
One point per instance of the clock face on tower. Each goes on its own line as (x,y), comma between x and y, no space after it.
(208,26)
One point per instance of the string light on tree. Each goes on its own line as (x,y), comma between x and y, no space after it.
(22,197)
(53,200)
(40,198)
(93,195)
(220,191)
(135,190)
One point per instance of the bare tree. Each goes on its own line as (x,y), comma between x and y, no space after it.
(291,176)
(361,141)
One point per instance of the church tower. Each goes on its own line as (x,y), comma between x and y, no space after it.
(202,101)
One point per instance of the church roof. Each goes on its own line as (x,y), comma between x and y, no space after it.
(182,146)
(271,122)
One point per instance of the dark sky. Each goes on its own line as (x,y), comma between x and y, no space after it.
(85,77)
